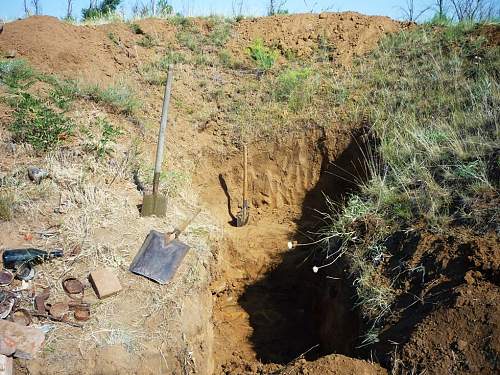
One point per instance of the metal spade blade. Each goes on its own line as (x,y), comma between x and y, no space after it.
(158,260)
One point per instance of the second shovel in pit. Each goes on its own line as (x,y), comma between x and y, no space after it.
(156,204)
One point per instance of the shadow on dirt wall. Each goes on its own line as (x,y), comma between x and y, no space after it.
(293,310)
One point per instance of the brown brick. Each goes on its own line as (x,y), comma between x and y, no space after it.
(104,282)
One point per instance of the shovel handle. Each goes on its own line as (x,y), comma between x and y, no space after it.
(245,172)
(181,228)
(163,127)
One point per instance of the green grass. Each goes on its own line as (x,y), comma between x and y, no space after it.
(155,73)
(296,87)
(147,41)
(114,38)
(17,74)
(36,123)
(220,31)
(432,98)
(136,29)
(40,118)
(262,55)
(119,97)
(190,39)
(102,144)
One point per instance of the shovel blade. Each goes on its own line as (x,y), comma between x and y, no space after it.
(242,216)
(158,260)
(154,205)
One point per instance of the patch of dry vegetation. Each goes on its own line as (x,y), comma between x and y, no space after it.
(432,98)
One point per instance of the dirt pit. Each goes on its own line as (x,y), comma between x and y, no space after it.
(270,308)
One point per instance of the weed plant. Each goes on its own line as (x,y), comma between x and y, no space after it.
(36,123)
(262,55)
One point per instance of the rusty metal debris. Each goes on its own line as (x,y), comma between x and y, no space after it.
(46,316)
(41,299)
(6,277)
(82,315)
(73,287)
(59,310)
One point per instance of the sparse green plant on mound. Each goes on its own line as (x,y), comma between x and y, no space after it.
(296,87)
(120,96)
(220,30)
(189,39)
(147,41)
(155,73)
(137,29)
(16,74)
(263,56)
(115,39)
(102,145)
(180,21)
(38,124)
(433,99)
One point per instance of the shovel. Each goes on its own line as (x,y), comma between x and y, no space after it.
(156,204)
(161,254)
(242,216)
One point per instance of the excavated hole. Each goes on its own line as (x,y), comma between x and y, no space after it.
(292,310)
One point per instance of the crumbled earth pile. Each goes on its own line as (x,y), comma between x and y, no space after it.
(344,35)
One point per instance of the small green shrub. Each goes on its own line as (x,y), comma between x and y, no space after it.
(189,39)
(296,87)
(103,144)
(156,73)
(171,57)
(289,81)
(16,73)
(136,29)
(63,92)
(227,60)
(114,38)
(147,41)
(264,57)
(38,124)
(180,21)
(220,30)
(119,97)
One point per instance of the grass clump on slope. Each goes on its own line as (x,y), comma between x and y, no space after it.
(432,98)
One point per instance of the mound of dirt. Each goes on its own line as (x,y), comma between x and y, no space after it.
(446,318)
(336,365)
(461,339)
(98,53)
(92,53)
(341,35)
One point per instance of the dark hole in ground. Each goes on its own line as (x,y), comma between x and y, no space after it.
(291,308)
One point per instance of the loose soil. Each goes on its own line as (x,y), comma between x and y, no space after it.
(242,303)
